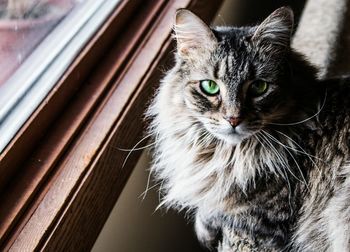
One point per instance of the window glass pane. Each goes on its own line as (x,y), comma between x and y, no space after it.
(38,41)
(23,24)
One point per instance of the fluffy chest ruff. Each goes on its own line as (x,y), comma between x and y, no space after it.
(245,187)
(198,170)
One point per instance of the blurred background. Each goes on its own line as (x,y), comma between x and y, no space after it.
(134,225)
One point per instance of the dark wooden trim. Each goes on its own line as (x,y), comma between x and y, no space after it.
(21,147)
(82,181)
(27,181)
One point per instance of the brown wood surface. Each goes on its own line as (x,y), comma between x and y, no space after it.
(29,136)
(69,209)
(25,185)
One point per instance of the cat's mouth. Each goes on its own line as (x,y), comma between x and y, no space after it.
(233,135)
(227,133)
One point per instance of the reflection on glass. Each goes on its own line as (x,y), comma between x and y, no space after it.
(23,24)
(39,39)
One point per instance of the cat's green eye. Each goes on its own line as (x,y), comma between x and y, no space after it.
(258,88)
(209,87)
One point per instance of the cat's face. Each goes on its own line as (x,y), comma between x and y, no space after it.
(234,80)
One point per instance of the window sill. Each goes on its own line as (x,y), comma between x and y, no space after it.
(65,189)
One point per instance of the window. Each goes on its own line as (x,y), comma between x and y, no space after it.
(60,174)
(36,51)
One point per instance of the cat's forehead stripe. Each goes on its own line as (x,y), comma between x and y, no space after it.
(222,67)
(230,60)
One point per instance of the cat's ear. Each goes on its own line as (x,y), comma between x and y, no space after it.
(193,36)
(276,29)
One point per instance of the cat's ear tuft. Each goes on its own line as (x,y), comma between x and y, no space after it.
(193,36)
(276,29)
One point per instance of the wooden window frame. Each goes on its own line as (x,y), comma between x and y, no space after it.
(62,173)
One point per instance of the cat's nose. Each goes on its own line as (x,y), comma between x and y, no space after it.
(234,121)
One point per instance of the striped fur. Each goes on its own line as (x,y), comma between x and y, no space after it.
(279,181)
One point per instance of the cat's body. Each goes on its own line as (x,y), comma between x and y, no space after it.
(280,180)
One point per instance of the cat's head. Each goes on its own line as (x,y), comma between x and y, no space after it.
(234,81)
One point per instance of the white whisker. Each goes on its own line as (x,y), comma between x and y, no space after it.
(305,120)
(291,155)
(139,142)
(302,150)
(136,149)
(284,162)
(147,185)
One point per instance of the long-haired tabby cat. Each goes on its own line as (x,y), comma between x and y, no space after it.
(250,142)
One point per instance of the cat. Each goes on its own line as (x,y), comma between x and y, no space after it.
(250,142)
